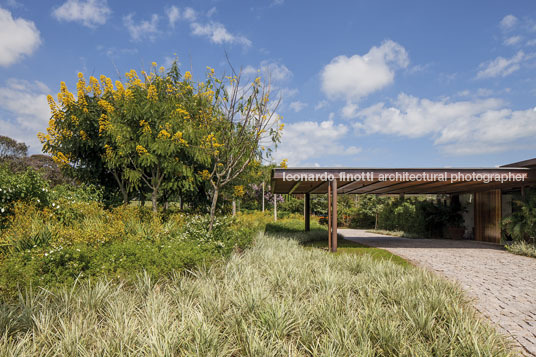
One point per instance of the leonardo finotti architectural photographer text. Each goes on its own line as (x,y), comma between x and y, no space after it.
(408,176)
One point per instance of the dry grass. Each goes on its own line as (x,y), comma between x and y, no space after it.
(276,299)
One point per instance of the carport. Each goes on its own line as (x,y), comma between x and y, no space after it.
(486,184)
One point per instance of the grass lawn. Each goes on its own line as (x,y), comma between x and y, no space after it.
(348,247)
(277,298)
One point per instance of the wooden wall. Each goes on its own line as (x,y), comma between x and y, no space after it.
(488,215)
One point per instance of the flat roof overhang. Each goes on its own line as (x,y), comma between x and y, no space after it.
(301,180)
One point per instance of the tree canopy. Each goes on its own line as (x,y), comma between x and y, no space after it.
(162,132)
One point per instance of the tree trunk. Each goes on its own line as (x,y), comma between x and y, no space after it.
(125,195)
(154,200)
(122,188)
(213,208)
(234,207)
(263,196)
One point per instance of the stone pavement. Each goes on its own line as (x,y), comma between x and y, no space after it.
(503,284)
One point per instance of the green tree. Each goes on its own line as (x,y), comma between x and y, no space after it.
(10,148)
(243,122)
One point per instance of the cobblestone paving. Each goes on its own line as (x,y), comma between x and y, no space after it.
(503,284)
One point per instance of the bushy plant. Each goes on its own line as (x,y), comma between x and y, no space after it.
(52,247)
(521,225)
(27,186)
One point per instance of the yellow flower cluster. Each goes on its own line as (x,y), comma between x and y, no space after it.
(95,87)
(146,128)
(133,78)
(83,135)
(238,191)
(64,96)
(211,141)
(60,159)
(106,84)
(104,123)
(129,95)
(283,164)
(81,92)
(177,137)
(205,174)
(109,152)
(164,134)
(141,150)
(106,105)
(187,75)
(152,94)
(182,112)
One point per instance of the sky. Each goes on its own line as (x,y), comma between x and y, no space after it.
(362,83)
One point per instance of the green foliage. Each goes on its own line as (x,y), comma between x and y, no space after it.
(522,248)
(275,299)
(521,225)
(52,247)
(27,186)
(412,215)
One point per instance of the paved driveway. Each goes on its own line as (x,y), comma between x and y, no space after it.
(503,284)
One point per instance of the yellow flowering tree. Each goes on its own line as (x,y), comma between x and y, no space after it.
(142,129)
(74,135)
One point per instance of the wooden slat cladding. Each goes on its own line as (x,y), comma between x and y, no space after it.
(488,215)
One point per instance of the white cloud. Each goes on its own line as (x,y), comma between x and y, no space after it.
(531,43)
(501,66)
(512,40)
(189,14)
(143,29)
(463,127)
(26,104)
(508,22)
(18,38)
(276,72)
(352,78)
(90,13)
(217,33)
(321,104)
(309,140)
(174,15)
(297,106)
(211,12)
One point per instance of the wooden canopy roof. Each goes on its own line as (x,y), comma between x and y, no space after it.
(402,180)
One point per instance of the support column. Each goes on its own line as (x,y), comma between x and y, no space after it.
(523,193)
(307,211)
(263,196)
(275,208)
(334,216)
(329,216)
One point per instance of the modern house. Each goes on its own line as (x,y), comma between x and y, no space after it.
(486,192)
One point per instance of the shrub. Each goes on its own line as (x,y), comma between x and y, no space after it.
(52,247)
(27,186)
(522,248)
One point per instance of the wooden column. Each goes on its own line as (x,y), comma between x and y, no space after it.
(523,193)
(334,218)
(275,208)
(329,216)
(307,211)
(488,215)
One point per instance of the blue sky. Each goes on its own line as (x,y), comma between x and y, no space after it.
(363,83)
